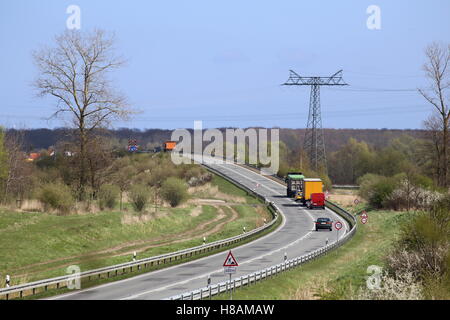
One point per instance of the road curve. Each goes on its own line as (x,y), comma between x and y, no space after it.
(295,237)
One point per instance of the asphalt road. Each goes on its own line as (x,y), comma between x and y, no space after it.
(295,237)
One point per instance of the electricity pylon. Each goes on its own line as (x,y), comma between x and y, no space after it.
(314,144)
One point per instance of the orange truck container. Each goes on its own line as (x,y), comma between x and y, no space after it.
(310,186)
(169,145)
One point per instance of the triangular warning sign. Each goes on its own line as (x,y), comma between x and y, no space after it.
(230,261)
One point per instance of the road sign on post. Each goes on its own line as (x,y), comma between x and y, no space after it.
(230,261)
(364,217)
(337,226)
(229,266)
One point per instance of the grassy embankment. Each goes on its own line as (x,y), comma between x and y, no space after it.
(339,274)
(36,245)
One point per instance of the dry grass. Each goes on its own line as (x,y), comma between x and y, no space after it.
(344,197)
(133,218)
(196,211)
(212,192)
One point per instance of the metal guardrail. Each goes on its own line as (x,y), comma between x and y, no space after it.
(346,186)
(247,280)
(59,282)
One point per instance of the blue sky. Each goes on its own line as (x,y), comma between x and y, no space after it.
(223,61)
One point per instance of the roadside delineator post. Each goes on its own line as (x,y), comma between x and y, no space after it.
(134,256)
(7,280)
(337,226)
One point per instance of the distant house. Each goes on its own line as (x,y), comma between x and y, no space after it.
(33,156)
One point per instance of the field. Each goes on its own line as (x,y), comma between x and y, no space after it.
(45,244)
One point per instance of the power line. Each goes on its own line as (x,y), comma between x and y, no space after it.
(314,144)
(383,75)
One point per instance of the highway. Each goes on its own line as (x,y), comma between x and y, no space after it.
(295,237)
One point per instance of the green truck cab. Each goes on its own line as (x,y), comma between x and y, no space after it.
(294,183)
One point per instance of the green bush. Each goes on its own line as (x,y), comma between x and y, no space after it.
(139,195)
(56,196)
(107,196)
(381,192)
(174,191)
(377,189)
(423,250)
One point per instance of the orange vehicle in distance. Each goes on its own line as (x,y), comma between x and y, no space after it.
(169,145)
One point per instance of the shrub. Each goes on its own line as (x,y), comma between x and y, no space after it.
(410,196)
(107,196)
(423,247)
(400,287)
(56,196)
(377,189)
(366,183)
(139,195)
(174,191)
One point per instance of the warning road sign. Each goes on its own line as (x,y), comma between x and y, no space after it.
(230,261)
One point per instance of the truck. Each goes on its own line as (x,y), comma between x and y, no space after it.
(309,186)
(293,183)
(317,201)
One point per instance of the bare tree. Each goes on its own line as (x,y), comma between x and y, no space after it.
(17,182)
(433,147)
(437,70)
(75,71)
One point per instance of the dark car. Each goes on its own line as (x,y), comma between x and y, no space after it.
(324,223)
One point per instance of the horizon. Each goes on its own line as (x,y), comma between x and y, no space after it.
(228,71)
